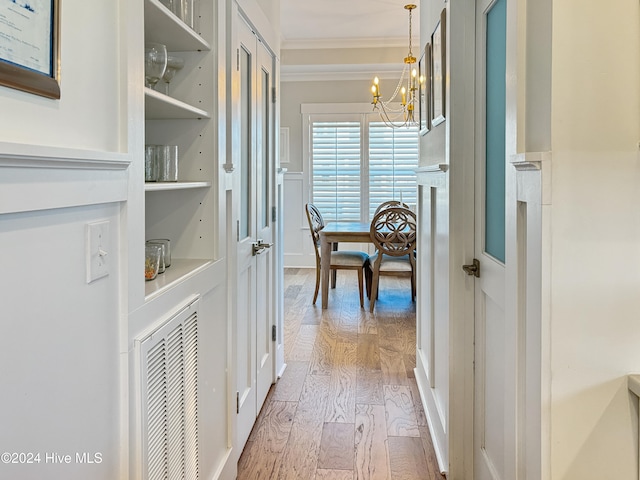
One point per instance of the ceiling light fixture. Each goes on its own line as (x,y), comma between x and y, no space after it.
(404,114)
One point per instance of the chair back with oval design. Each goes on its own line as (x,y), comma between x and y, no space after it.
(393,231)
(390,203)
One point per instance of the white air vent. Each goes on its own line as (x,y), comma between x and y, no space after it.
(170,398)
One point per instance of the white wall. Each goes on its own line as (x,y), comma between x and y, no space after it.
(295,94)
(271,9)
(63,165)
(595,232)
(59,347)
(88,115)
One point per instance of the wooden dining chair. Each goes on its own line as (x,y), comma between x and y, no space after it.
(393,233)
(390,203)
(340,260)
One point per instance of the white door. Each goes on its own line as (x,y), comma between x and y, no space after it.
(255,258)
(490,353)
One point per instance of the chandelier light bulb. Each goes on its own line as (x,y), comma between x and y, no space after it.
(374,92)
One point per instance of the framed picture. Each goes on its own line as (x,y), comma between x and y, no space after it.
(284,145)
(424,66)
(29,46)
(438,71)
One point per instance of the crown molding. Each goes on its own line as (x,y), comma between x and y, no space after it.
(308,73)
(326,43)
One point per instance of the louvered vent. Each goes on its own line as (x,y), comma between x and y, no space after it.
(170,386)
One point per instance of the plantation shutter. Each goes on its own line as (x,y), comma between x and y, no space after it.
(357,162)
(393,159)
(336,163)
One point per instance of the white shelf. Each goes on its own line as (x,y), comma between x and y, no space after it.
(159,106)
(180,270)
(160,186)
(162,26)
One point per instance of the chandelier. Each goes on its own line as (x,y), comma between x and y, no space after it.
(402,114)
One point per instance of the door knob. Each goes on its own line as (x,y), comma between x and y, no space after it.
(259,246)
(473,269)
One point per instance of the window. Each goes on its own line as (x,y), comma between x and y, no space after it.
(357,162)
(337,160)
(393,159)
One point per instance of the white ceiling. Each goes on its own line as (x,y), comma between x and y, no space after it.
(346,23)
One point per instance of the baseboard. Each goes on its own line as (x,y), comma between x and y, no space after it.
(227,469)
(436,428)
(296,260)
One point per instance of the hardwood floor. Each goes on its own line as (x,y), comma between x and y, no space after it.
(347,406)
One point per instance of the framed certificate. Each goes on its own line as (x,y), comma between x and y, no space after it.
(29,46)
(425,89)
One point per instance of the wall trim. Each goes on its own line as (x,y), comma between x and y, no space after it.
(332,108)
(299,260)
(529,160)
(323,43)
(28,188)
(435,168)
(432,175)
(40,156)
(534,161)
(438,437)
(309,73)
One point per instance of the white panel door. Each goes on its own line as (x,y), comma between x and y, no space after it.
(264,199)
(490,352)
(255,260)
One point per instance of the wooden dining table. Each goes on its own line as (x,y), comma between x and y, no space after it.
(338,232)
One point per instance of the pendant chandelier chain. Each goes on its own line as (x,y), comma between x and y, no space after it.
(410,34)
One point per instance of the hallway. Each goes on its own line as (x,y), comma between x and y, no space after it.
(347,405)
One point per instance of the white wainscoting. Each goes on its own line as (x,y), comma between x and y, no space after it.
(528,291)
(432,316)
(298,246)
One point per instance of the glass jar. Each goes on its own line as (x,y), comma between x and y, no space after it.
(167,163)
(152,253)
(167,249)
(150,163)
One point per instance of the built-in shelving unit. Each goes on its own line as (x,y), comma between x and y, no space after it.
(180,270)
(182,211)
(162,26)
(155,187)
(158,106)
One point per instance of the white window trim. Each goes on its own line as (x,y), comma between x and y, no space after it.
(328,108)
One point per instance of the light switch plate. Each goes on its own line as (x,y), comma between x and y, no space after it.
(98,249)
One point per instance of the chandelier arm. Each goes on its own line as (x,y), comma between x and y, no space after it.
(407,121)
